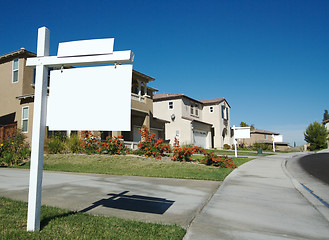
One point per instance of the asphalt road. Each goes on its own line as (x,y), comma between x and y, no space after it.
(312,173)
(317,165)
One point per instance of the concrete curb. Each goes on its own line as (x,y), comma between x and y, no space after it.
(322,209)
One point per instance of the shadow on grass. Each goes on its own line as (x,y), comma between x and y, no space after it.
(45,221)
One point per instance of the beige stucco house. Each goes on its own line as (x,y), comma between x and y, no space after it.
(200,123)
(17,99)
(16,91)
(263,136)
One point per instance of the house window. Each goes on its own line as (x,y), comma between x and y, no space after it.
(171,105)
(224,112)
(15,70)
(265,137)
(25,119)
(211,109)
(192,110)
(196,111)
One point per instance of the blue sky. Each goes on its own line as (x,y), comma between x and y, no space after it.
(269,59)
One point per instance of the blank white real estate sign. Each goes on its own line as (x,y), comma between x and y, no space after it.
(241,132)
(90,98)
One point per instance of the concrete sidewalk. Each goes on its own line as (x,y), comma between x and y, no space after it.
(259,201)
(158,200)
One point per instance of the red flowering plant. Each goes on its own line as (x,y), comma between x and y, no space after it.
(113,146)
(89,143)
(149,146)
(218,161)
(184,154)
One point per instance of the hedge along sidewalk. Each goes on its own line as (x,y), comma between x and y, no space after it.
(134,166)
(63,224)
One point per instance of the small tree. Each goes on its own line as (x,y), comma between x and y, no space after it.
(316,135)
(244,124)
(325,115)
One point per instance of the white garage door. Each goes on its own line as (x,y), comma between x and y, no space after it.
(200,138)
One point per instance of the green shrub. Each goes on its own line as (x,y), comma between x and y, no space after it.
(73,144)
(55,146)
(14,150)
(226,146)
(316,135)
(263,146)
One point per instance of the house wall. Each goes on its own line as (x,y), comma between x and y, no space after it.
(187,104)
(9,91)
(181,128)
(226,125)
(219,124)
(214,118)
(256,137)
(161,110)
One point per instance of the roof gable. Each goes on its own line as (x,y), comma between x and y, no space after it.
(21,53)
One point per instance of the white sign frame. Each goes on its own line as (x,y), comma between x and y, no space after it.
(41,63)
(276,138)
(240,133)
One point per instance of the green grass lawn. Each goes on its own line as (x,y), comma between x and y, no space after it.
(243,153)
(134,166)
(63,224)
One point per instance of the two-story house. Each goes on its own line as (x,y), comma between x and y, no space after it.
(263,137)
(201,123)
(16,91)
(17,99)
(217,112)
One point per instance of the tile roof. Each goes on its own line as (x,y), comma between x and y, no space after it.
(19,53)
(195,120)
(167,95)
(215,100)
(263,131)
(142,75)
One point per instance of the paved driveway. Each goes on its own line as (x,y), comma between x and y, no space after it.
(161,200)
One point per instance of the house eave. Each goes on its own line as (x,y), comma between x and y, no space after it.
(25,96)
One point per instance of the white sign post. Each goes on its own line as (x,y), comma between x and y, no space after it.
(276,138)
(239,133)
(87,52)
(38,133)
